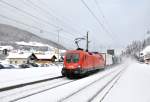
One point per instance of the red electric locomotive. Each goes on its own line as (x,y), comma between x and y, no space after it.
(79,62)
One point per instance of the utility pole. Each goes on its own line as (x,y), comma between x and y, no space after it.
(77,40)
(58,43)
(87,42)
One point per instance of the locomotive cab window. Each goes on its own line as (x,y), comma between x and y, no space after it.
(72,58)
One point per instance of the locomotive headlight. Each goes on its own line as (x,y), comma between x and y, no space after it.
(79,66)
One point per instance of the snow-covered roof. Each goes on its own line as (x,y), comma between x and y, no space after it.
(146,50)
(44,56)
(62,51)
(18,55)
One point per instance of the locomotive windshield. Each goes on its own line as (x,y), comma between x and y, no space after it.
(72,58)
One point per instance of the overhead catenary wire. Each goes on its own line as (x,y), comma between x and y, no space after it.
(33,16)
(29,14)
(93,14)
(31,26)
(50,14)
(45,21)
(29,5)
(100,10)
(45,4)
(65,19)
(98,21)
(35,6)
(104,17)
(65,31)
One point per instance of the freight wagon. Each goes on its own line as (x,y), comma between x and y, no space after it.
(108,59)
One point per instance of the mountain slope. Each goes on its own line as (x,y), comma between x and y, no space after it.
(12,34)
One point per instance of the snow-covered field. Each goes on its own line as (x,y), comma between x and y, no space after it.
(133,86)
(129,85)
(10,77)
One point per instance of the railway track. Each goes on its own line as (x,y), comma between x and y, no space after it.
(78,92)
(22,97)
(114,80)
(18,92)
(26,90)
(26,84)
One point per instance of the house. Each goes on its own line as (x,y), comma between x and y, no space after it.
(147,58)
(145,55)
(39,58)
(18,58)
(42,58)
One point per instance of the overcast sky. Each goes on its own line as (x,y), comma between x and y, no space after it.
(117,22)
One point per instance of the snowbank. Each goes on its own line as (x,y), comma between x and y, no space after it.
(16,76)
(133,85)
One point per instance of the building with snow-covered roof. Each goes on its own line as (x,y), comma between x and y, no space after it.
(145,50)
(42,58)
(145,54)
(18,58)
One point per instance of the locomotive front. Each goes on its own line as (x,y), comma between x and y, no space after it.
(72,64)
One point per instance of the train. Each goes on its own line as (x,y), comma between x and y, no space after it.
(79,63)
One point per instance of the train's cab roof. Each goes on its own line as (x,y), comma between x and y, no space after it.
(80,51)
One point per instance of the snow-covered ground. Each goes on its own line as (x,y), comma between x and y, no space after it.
(133,86)
(129,85)
(10,77)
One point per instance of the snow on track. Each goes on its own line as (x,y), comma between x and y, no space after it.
(19,93)
(9,77)
(88,92)
(110,85)
(59,93)
(104,91)
(133,86)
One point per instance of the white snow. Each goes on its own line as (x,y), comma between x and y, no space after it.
(18,55)
(6,47)
(57,94)
(10,77)
(44,56)
(146,50)
(32,44)
(132,86)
